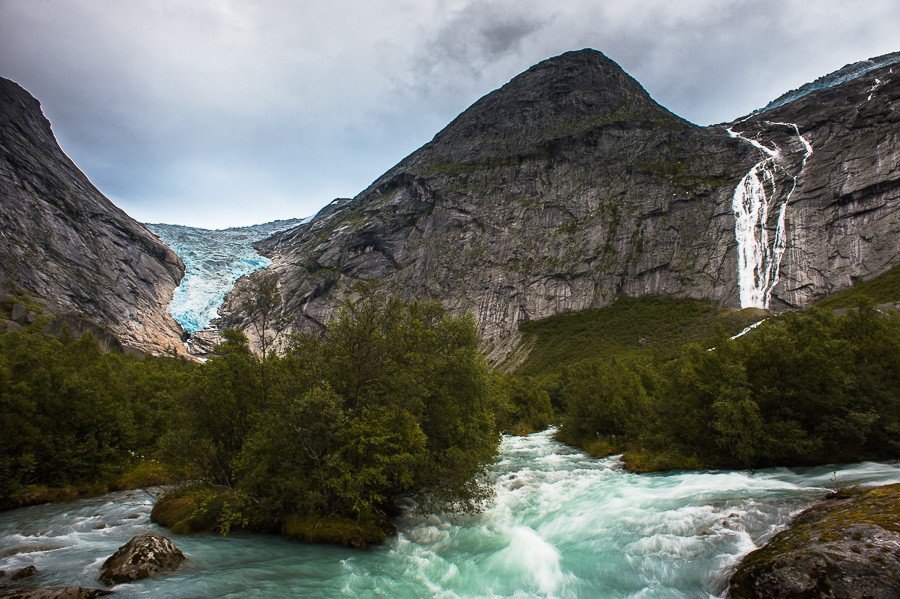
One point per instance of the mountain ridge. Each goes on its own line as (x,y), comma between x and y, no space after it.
(66,244)
(570,186)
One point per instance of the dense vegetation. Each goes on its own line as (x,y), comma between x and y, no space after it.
(395,399)
(76,419)
(812,387)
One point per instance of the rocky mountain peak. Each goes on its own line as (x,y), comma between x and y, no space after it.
(569,187)
(560,97)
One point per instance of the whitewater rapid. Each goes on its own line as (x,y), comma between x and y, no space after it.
(561,524)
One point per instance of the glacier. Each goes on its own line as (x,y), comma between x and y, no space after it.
(214,259)
(841,76)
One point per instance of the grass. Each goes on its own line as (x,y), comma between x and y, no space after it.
(628,327)
(880,290)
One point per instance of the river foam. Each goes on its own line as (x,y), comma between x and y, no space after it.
(561,524)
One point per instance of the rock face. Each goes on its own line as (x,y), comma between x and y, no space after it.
(570,186)
(843,214)
(141,557)
(845,548)
(64,242)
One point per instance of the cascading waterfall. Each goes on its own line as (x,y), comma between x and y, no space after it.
(759,261)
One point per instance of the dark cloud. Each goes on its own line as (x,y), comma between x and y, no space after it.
(220,112)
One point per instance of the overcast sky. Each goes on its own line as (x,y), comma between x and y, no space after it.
(224,112)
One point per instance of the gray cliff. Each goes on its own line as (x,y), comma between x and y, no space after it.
(62,241)
(570,186)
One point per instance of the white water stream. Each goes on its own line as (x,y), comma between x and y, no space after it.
(759,259)
(561,525)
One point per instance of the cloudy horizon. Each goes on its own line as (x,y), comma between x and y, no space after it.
(219,113)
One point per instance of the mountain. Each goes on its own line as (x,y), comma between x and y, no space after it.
(569,186)
(68,247)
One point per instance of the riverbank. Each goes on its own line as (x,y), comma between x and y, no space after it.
(204,509)
(142,475)
(844,546)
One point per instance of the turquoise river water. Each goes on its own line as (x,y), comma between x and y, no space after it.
(561,525)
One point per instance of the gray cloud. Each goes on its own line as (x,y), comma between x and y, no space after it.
(225,112)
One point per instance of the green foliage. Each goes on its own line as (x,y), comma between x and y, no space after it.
(804,388)
(72,415)
(601,400)
(523,404)
(214,416)
(394,399)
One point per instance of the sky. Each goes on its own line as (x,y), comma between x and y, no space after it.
(218,113)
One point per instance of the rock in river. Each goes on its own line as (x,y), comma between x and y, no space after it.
(141,557)
(848,546)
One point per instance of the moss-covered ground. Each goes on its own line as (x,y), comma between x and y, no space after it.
(628,327)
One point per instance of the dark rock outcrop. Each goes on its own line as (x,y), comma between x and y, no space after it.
(141,557)
(26,572)
(846,547)
(62,241)
(569,186)
(58,593)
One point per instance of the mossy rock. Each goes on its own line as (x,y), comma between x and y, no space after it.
(843,547)
(189,511)
(337,530)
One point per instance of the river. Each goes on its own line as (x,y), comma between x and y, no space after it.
(561,524)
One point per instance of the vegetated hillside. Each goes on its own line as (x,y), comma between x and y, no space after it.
(569,187)
(884,289)
(67,246)
(650,327)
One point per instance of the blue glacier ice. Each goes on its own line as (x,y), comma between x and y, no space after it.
(842,75)
(214,260)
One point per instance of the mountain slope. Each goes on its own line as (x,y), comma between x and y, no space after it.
(64,242)
(839,174)
(541,198)
(569,187)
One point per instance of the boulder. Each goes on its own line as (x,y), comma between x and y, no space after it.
(845,547)
(25,572)
(19,313)
(141,557)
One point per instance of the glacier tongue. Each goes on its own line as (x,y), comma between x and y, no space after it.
(214,260)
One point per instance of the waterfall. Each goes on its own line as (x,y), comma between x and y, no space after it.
(759,260)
